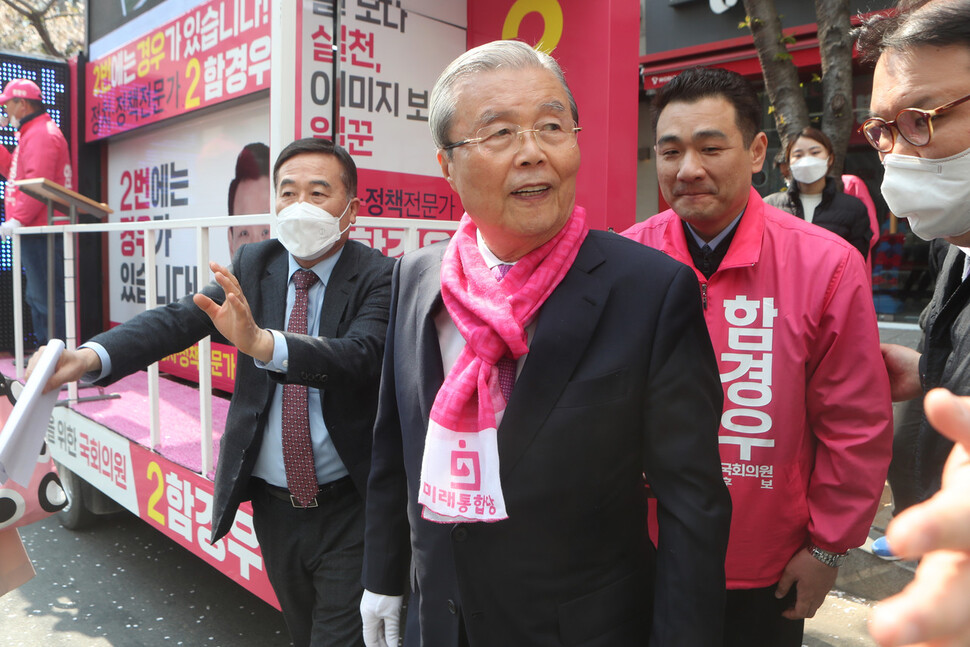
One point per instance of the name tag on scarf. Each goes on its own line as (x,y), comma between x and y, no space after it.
(460,476)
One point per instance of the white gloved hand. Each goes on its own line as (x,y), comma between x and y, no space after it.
(381,618)
(7,227)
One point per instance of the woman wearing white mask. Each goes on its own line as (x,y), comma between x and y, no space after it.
(814,196)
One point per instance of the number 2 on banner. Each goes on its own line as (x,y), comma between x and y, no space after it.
(125,205)
(192,73)
(155,471)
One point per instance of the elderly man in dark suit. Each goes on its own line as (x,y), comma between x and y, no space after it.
(314,314)
(522,406)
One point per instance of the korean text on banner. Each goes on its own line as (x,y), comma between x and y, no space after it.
(218,51)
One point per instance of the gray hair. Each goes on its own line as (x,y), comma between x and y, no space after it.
(937,23)
(509,54)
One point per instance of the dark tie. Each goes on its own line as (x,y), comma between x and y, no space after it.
(505,365)
(301,473)
(707,262)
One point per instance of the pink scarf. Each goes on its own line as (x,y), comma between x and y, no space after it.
(460,469)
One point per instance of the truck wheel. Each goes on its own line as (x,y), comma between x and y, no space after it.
(75,515)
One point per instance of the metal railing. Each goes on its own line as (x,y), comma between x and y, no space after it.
(149,229)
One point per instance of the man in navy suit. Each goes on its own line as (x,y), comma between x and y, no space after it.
(535,373)
(312,545)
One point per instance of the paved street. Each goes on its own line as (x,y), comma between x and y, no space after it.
(123,584)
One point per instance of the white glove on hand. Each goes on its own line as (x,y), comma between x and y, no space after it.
(381,618)
(7,227)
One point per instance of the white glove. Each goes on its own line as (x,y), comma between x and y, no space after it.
(381,617)
(7,227)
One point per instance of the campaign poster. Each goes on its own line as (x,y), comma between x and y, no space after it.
(218,51)
(389,54)
(182,171)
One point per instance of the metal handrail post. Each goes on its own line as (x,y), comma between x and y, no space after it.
(18,307)
(70,291)
(51,318)
(205,360)
(151,298)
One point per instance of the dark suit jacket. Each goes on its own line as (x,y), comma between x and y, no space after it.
(620,380)
(344,361)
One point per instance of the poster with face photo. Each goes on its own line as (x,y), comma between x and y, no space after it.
(190,169)
(186,170)
(388,56)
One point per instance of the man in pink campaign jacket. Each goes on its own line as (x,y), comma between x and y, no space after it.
(806,433)
(41,152)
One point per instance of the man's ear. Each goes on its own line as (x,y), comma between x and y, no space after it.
(445,163)
(353,210)
(758,150)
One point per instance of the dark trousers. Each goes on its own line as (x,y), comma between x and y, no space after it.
(313,558)
(33,255)
(907,420)
(753,619)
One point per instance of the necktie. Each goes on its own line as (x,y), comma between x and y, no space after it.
(505,365)
(301,473)
(707,261)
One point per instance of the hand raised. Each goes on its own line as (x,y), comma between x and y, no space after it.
(234,319)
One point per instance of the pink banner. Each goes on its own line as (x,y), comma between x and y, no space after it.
(216,52)
(405,195)
(185,365)
(178,503)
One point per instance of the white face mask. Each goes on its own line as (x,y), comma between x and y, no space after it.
(932,194)
(307,231)
(809,169)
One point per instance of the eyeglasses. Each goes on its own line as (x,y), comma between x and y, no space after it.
(495,139)
(915,126)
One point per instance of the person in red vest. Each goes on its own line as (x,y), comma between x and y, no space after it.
(41,152)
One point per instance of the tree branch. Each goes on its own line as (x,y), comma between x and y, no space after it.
(37,17)
(781,77)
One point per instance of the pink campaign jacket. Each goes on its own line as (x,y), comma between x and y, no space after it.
(806,433)
(41,152)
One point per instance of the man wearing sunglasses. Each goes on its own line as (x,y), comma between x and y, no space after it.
(920,124)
